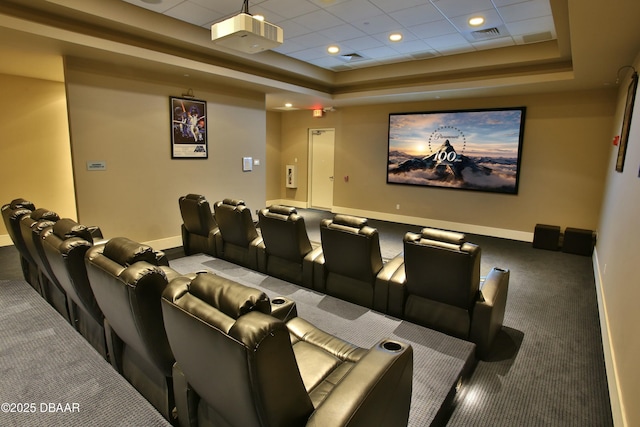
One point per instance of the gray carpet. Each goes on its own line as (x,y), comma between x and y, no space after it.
(44,361)
(439,360)
(548,365)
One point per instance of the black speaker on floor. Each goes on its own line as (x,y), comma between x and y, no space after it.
(546,237)
(578,241)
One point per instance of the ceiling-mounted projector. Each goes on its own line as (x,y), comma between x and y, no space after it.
(247,34)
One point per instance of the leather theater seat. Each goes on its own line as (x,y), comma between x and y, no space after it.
(128,279)
(32,227)
(350,261)
(439,286)
(12,213)
(199,228)
(286,251)
(65,244)
(242,367)
(238,238)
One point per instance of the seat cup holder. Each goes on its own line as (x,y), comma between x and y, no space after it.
(392,346)
(278,301)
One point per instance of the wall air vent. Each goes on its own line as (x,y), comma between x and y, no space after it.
(538,37)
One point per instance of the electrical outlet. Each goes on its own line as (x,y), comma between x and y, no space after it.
(398,206)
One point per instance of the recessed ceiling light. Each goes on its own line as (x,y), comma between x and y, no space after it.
(333,49)
(288,105)
(395,37)
(476,21)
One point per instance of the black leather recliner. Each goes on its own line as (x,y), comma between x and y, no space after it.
(350,261)
(65,244)
(128,279)
(199,228)
(12,213)
(239,366)
(439,286)
(286,251)
(238,238)
(32,227)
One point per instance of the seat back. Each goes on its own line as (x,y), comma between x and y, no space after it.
(442,266)
(284,233)
(235,222)
(351,248)
(234,354)
(12,213)
(128,282)
(32,228)
(128,279)
(65,245)
(198,225)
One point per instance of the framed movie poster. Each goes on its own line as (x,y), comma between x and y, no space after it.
(188,128)
(626,122)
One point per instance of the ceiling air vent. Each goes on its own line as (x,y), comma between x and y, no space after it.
(488,33)
(352,57)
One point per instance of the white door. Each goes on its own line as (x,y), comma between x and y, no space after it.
(321,143)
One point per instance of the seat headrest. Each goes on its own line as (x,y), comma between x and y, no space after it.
(22,204)
(127,252)
(67,228)
(231,298)
(349,221)
(196,197)
(44,214)
(233,202)
(443,236)
(282,210)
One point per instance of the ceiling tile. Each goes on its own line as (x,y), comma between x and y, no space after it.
(417,15)
(342,32)
(452,8)
(288,8)
(433,29)
(193,13)
(354,10)
(532,26)
(526,10)
(319,20)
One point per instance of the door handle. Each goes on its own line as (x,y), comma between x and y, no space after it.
(331,178)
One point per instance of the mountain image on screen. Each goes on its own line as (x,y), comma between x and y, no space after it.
(447,168)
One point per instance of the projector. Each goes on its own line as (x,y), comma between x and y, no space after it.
(247,34)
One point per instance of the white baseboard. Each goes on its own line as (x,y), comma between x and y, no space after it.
(166,243)
(617,410)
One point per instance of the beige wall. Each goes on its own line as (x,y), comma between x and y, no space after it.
(566,144)
(618,271)
(125,122)
(35,160)
(274,168)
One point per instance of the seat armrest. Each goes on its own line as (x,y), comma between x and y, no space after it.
(283,308)
(308,263)
(261,255)
(186,399)
(488,311)
(253,253)
(319,275)
(377,391)
(381,286)
(397,292)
